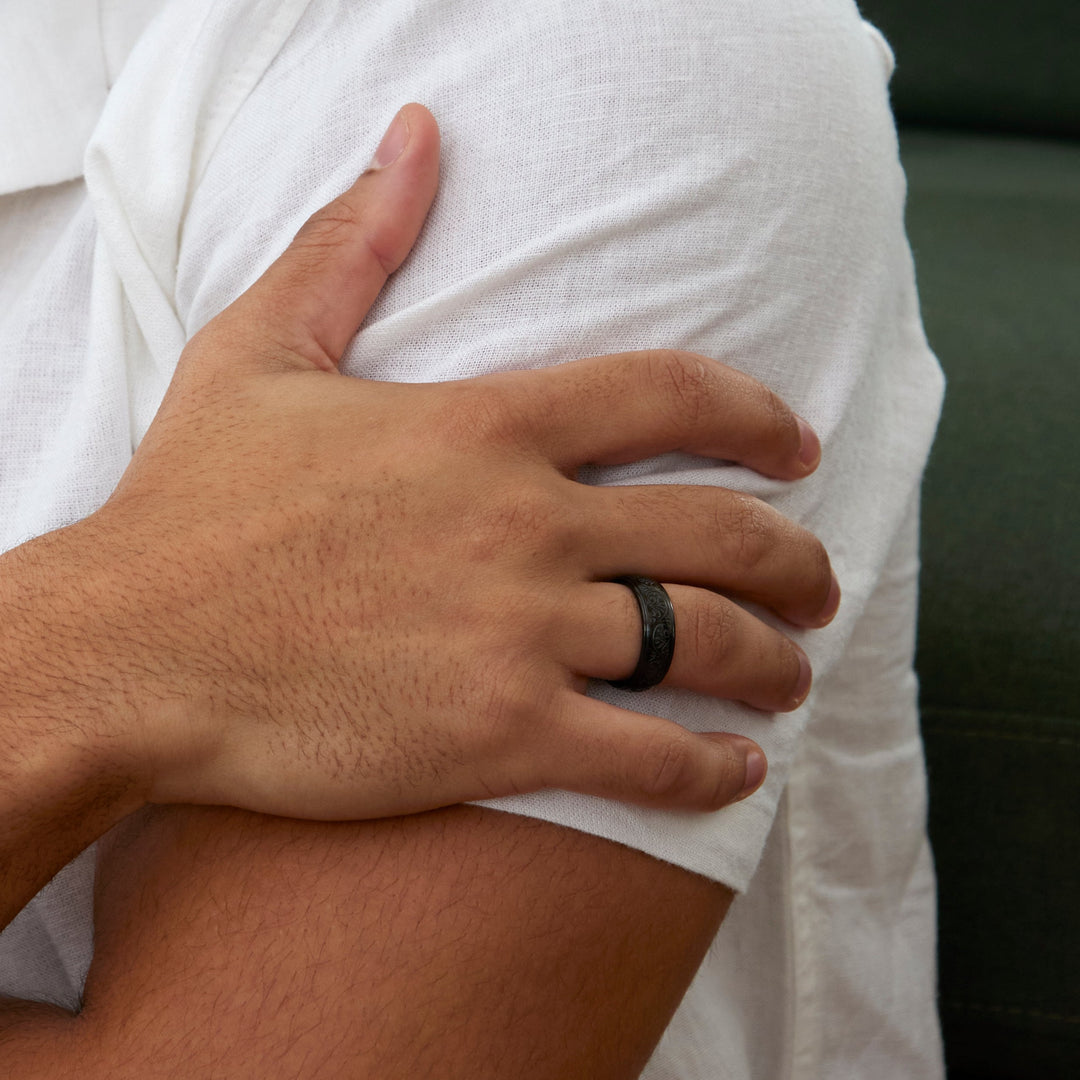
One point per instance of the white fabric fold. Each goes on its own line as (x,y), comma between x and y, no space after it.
(52,69)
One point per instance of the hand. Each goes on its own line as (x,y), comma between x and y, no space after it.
(346,599)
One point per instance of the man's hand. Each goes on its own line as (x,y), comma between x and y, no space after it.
(322,597)
(377,598)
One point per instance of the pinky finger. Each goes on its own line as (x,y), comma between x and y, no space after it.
(603,750)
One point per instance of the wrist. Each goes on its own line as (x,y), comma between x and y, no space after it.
(59,792)
(68,703)
(69,767)
(96,647)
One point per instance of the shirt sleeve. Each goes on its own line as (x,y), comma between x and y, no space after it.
(715,177)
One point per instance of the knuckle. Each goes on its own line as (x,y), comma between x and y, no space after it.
(339,223)
(477,413)
(508,708)
(528,519)
(712,627)
(329,226)
(686,382)
(667,768)
(747,525)
(532,511)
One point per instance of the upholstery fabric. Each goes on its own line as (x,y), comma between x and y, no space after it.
(979,64)
(995,226)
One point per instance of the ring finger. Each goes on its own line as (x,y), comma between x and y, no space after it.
(720,648)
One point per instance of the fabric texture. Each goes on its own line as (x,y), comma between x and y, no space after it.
(721,177)
(995,224)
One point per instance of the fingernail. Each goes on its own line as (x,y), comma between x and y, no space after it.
(802,687)
(393,142)
(755,773)
(809,446)
(832,604)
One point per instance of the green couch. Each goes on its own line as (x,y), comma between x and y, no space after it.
(987,97)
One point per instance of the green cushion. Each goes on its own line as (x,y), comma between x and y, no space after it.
(973,63)
(995,227)
(1002,822)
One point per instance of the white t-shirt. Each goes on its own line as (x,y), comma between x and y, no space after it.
(616,174)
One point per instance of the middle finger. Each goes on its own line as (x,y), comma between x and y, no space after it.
(712,537)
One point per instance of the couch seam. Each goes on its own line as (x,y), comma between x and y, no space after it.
(1012,1010)
(986,733)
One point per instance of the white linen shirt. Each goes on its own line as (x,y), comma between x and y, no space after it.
(616,174)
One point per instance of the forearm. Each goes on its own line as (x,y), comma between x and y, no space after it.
(465,943)
(67,771)
(37,1040)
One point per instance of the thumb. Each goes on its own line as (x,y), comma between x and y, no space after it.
(314,297)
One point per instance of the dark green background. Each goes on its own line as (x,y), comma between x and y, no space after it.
(994,222)
(983,64)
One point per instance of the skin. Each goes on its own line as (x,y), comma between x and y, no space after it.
(322,598)
(466,944)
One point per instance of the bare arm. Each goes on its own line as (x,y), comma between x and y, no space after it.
(463,943)
(67,768)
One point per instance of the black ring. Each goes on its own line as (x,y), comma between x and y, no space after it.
(657,633)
